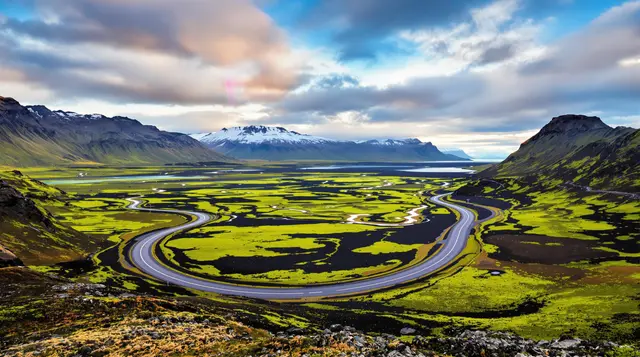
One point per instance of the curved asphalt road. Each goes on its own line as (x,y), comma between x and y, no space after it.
(142,257)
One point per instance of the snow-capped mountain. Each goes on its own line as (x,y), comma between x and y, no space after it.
(258,134)
(257,142)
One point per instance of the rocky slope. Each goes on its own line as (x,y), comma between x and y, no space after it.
(35,135)
(8,259)
(578,149)
(50,316)
(277,144)
(29,231)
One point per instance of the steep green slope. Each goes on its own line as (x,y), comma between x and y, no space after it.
(605,164)
(31,232)
(31,136)
(578,149)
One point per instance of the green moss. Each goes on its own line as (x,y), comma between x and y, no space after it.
(385,247)
(473,290)
(575,297)
(580,308)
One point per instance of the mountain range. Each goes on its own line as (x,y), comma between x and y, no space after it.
(573,148)
(35,135)
(257,142)
(457,152)
(580,149)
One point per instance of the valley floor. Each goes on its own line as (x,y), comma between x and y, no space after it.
(556,261)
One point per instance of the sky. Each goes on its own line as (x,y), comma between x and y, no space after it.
(480,75)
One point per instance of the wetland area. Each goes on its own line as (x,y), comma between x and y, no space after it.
(533,254)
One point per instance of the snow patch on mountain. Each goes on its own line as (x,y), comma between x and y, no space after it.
(257,134)
(391,142)
(41,111)
(278,144)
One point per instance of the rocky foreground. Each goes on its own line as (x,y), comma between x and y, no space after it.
(43,315)
(190,336)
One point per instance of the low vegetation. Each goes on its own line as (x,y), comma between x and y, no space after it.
(558,261)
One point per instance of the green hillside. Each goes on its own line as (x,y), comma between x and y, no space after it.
(578,149)
(29,230)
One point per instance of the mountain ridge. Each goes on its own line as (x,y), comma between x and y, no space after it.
(457,152)
(579,149)
(261,142)
(36,135)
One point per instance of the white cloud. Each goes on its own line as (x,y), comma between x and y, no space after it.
(628,62)
(492,37)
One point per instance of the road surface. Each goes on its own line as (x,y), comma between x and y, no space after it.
(142,257)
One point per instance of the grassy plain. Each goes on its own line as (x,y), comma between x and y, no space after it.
(558,261)
(288,228)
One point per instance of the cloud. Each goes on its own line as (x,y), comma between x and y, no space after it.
(363,29)
(418,94)
(337,81)
(364,24)
(492,35)
(610,38)
(510,81)
(241,31)
(222,40)
(192,122)
(497,54)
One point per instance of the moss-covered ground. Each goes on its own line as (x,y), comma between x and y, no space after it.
(271,228)
(556,261)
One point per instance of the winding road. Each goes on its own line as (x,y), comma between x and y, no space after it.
(141,254)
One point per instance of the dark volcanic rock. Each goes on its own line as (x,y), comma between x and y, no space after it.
(572,123)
